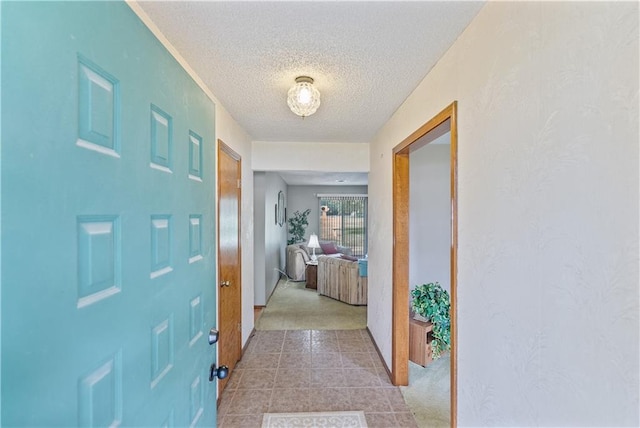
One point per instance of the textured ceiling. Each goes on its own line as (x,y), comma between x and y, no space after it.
(310,178)
(365,57)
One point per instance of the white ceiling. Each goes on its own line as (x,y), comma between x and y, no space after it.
(365,57)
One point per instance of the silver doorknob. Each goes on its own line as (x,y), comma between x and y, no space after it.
(225,284)
(220,372)
(213,336)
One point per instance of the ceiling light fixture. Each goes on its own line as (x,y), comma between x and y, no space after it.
(303,98)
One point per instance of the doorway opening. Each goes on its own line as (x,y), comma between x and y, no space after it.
(443,123)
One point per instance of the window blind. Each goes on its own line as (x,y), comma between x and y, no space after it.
(343,219)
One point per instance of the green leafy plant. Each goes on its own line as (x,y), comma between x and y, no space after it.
(433,303)
(297,225)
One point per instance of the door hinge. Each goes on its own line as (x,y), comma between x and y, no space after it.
(239,186)
(240,327)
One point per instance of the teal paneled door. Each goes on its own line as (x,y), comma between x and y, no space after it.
(108,260)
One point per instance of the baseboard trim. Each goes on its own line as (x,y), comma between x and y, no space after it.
(384,364)
(273,291)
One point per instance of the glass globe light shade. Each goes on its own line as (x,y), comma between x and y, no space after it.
(303,98)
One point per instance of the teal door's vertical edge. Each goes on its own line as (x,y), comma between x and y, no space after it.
(107,280)
(1,318)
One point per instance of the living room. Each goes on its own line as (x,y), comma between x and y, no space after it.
(298,195)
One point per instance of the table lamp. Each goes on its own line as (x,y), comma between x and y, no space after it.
(313,244)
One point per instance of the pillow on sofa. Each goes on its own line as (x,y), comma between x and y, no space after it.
(329,247)
(346,257)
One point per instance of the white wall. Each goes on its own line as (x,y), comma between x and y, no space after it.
(430,214)
(302,197)
(270,239)
(548,212)
(287,156)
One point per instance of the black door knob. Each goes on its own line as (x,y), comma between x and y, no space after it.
(220,372)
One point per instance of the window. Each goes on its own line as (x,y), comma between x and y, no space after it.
(343,219)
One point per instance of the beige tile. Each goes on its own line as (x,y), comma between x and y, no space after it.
(326,360)
(323,346)
(250,402)
(377,362)
(329,399)
(369,399)
(292,378)
(295,360)
(370,347)
(327,378)
(361,378)
(349,334)
(257,379)
(383,377)
(312,370)
(259,361)
(264,346)
(225,401)
(356,360)
(296,345)
(234,380)
(380,420)
(349,345)
(289,400)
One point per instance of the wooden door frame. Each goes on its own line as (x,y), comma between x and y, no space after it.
(400,328)
(222,147)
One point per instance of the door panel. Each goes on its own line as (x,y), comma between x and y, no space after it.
(229,174)
(108,261)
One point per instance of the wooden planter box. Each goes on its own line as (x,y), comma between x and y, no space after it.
(420,336)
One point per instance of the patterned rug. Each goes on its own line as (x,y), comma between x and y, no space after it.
(312,420)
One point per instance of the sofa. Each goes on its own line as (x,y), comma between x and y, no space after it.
(342,279)
(298,255)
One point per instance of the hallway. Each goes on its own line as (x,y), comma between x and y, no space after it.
(311,371)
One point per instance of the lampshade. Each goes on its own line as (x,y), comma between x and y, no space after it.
(303,98)
(313,241)
(313,244)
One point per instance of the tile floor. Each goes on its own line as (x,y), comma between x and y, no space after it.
(311,371)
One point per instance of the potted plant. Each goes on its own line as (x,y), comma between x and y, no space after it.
(433,303)
(297,224)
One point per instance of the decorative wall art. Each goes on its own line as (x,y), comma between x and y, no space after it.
(280,209)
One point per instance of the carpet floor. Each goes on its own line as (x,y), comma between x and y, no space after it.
(294,307)
(428,393)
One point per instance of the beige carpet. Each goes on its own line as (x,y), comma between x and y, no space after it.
(428,393)
(294,307)
(314,420)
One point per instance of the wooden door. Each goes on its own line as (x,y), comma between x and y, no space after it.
(230,285)
(107,223)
